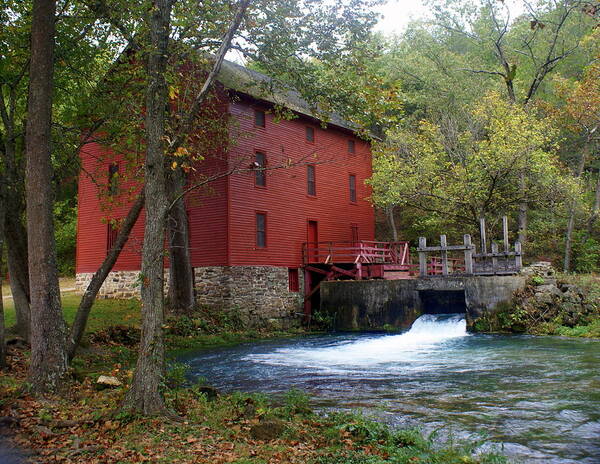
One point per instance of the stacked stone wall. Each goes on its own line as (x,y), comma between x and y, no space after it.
(258,294)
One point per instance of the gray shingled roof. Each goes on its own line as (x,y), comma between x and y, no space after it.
(263,87)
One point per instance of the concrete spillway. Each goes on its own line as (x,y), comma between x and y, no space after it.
(374,304)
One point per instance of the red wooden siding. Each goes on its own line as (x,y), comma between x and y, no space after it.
(285,199)
(223,215)
(92,229)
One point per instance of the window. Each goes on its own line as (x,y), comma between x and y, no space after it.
(310,179)
(354,232)
(111,236)
(293,278)
(261,230)
(352,188)
(259,118)
(310,134)
(351,146)
(113,179)
(260,175)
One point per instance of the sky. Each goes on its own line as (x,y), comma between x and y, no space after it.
(398,13)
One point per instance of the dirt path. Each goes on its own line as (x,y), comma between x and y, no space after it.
(67,284)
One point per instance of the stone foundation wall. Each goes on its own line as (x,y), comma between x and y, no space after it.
(259,294)
(118,284)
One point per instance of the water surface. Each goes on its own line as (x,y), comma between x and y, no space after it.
(537,398)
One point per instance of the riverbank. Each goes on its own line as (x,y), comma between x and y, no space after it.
(85,423)
(564,305)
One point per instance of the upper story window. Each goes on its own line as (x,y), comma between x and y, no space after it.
(311,183)
(261,230)
(310,134)
(260,175)
(113,178)
(351,146)
(352,184)
(259,118)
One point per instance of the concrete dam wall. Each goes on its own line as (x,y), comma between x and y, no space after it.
(374,304)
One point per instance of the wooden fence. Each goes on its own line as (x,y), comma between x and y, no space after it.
(494,262)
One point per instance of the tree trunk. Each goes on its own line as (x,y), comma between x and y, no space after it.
(2,338)
(181,273)
(85,306)
(14,229)
(16,252)
(145,396)
(392,220)
(572,207)
(595,209)
(48,365)
(523,207)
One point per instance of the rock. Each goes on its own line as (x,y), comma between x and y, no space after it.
(267,430)
(541,269)
(551,289)
(543,297)
(108,381)
(17,342)
(210,392)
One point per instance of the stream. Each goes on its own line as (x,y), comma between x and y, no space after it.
(537,399)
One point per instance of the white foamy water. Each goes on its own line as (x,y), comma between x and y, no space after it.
(429,332)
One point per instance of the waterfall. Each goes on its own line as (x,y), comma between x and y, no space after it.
(429,332)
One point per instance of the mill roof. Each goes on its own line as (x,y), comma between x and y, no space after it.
(262,87)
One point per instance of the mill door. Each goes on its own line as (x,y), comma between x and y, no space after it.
(313,241)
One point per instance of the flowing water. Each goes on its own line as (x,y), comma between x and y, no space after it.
(535,398)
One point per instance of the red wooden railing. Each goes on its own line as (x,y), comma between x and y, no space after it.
(365,252)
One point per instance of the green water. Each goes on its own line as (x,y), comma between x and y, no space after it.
(536,398)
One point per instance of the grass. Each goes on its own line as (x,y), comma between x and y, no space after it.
(105,313)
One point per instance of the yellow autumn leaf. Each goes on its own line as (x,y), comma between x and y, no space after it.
(181,151)
(174,165)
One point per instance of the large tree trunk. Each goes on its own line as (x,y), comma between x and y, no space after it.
(16,252)
(87,301)
(572,207)
(2,338)
(145,396)
(48,365)
(181,273)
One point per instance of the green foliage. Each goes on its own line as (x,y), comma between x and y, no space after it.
(176,376)
(400,446)
(65,223)
(297,402)
(586,253)
(537,280)
(462,170)
(323,320)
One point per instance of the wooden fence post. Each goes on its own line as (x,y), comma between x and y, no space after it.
(518,256)
(444,255)
(494,257)
(422,257)
(468,254)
